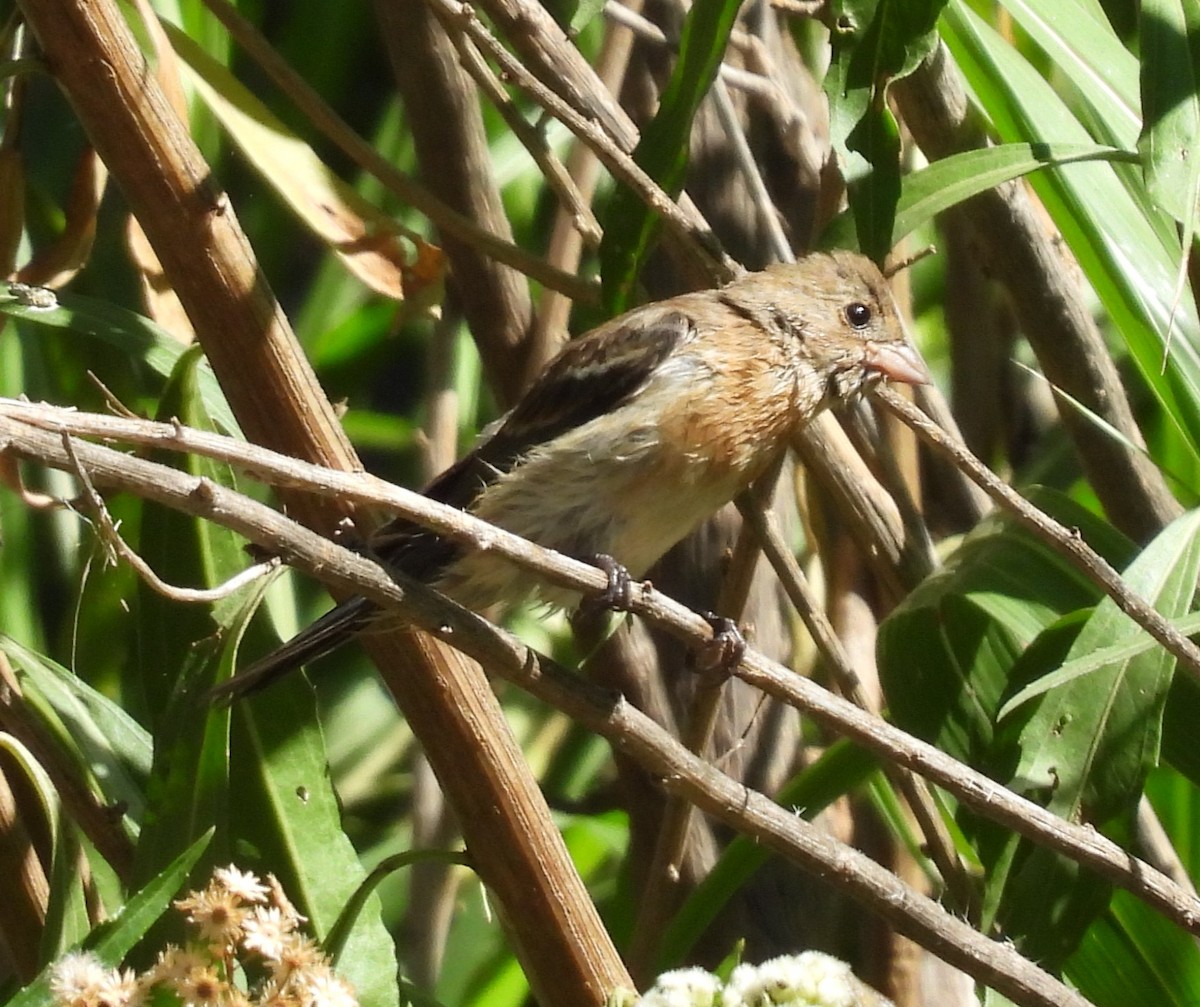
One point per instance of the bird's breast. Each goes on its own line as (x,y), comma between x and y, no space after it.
(634,482)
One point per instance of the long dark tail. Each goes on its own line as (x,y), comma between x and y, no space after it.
(328,633)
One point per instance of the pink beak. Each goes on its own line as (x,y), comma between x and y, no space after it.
(897,362)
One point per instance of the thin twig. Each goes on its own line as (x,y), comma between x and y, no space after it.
(768,215)
(459,16)
(735,76)
(937,837)
(10,476)
(531,137)
(111,537)
(330,125)
(565,246)
(1067,542)
(33,431)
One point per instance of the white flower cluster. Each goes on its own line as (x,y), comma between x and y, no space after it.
(235,920)
(810,979)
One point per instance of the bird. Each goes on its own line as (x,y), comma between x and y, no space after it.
(638,431)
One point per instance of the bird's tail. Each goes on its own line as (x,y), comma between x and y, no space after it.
(328,633)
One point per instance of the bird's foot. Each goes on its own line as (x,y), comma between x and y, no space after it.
(720,656)
(617,595)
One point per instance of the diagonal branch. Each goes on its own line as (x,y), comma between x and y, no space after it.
(34,431)
(995,963)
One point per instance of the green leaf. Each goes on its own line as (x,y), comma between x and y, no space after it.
(111,748)
(1090,743)
(135,337)
(952,180)
(1131,955)
(873,42)
(662,151)
(284,816)
(1087,662)
(1083,47)
(182,645)
(1120,243)
(1170,79)
(873,198)
(948,653)
(112,941)
(1170,37)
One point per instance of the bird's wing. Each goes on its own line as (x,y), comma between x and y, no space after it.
(593,376)
(590,377)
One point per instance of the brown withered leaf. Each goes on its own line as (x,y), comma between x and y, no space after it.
(370,244)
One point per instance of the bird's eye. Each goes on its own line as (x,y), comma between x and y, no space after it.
(858,315)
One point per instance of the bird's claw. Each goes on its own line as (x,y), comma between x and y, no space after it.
(617,595)
(721,655)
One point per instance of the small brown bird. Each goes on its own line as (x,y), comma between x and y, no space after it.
(641,429)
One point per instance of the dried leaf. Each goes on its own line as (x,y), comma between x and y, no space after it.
(366,240)
(57,263)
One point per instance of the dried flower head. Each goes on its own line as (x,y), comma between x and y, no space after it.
(242,884)
(236,918)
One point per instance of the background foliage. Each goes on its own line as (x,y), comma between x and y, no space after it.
(1005,657)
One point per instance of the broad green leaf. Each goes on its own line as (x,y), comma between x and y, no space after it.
(1121,251)
(662,151)
(1131,955)
(1086,49)
(1090,743)
(1087,662)
(947,182)
(1048,901)
(1170,40)
(872,43)
(951,180)
(284,815)
(136,337)
(283,807)
(947,655)
(112,941)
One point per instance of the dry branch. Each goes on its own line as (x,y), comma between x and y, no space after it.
(34,431)
(995,963)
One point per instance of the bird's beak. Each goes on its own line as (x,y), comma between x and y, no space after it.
(897,362)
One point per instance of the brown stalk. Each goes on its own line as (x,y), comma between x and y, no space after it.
(557,934)
(1049,305)
(442,109)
